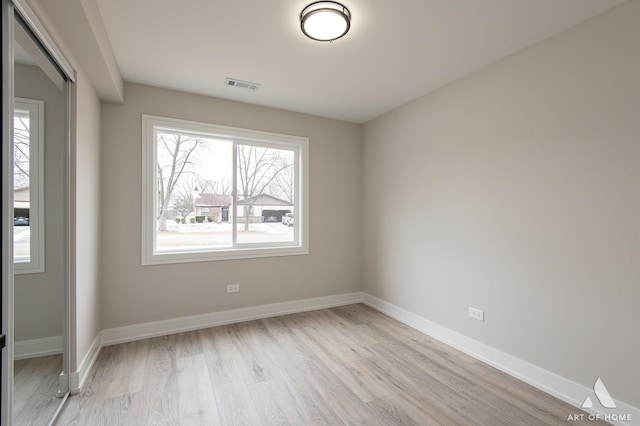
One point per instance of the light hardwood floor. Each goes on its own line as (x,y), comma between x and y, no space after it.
(346,365)
(35,383)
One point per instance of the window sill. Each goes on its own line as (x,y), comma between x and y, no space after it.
(226,254)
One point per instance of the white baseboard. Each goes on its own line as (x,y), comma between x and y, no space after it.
(63,383)
(135,332)
(551,383)
(131,333)
(78,378)
(38,347)
(560,387)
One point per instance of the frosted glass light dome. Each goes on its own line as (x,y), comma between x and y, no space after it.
(325,20)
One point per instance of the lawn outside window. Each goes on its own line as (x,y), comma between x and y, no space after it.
(214,192)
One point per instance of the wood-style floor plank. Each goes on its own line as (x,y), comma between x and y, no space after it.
(232,397)
(35,387)
(345,365)
(196,403)
(296,358)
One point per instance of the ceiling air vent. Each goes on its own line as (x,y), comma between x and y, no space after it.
(241,84)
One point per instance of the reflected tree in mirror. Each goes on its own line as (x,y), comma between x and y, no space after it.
(21,145)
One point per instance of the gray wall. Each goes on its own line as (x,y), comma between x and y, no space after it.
(39,298)
(516,190)
(132,294)
(86,215)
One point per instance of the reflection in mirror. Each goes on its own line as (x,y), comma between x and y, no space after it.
(28,179)
(39,142)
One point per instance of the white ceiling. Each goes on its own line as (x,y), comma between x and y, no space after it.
(396,50)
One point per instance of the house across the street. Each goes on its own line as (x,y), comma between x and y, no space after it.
(215,206)
(264,208)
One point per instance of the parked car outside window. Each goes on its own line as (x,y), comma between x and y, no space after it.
(21,221)
(287,219)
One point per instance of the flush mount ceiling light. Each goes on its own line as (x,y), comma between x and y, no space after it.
(325,20)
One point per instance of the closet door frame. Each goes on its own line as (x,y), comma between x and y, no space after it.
(12,10)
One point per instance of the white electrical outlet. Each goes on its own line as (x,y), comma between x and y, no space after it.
(476,314)
(233,288)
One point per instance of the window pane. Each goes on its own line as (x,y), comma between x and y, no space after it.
(217,193)
(21,188)
(265,195)
(194,192)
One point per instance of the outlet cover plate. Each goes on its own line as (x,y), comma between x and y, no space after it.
(476,314)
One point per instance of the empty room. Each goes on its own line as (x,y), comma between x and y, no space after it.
(421,212)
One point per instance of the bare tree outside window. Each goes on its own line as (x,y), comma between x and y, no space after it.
(214,186)
(283,185)
(183,201)
(175,159)
(258,169)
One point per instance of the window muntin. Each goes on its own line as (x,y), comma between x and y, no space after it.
(28,186)
(216,192)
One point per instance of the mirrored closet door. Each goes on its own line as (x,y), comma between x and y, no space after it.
(39,231)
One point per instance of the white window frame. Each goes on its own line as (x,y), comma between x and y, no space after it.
(35,263)
(300,146)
